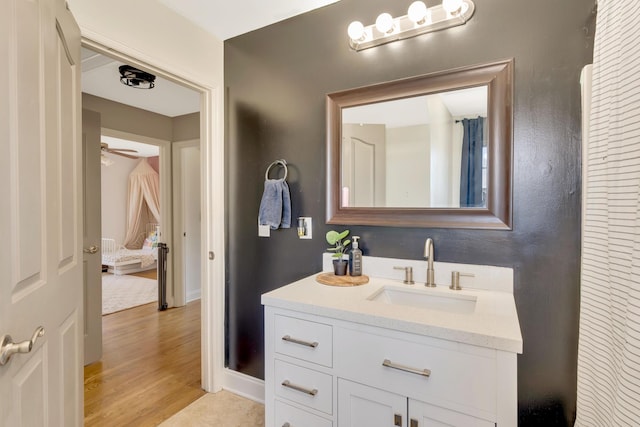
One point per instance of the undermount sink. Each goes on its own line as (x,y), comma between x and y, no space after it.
(425,298)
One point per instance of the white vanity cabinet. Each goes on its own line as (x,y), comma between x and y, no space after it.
(361,405)
(324,371)
(299,380)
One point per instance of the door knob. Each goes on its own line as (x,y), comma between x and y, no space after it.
(8,348)
(90,250)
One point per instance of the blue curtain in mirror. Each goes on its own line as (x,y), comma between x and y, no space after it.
(471,167)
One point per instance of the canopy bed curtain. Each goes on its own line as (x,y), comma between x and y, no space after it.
(471,165)
(143,206)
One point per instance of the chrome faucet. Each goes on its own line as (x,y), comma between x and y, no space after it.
(428,254)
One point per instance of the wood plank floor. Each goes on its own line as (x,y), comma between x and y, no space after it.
(150,367)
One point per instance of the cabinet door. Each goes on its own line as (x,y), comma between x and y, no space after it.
(424,415)
(360,405)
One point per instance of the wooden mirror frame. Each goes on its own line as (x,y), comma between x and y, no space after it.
(498,76)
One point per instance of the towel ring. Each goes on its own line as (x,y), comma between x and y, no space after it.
(281,162)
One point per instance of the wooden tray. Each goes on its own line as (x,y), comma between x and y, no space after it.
(333,280)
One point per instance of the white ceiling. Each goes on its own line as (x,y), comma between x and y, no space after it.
(100,77)
(226,18)
(222,18)
(143,150)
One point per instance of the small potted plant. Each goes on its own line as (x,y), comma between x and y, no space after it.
(339,246)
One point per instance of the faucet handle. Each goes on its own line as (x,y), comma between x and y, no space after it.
(408,275)
(455,279)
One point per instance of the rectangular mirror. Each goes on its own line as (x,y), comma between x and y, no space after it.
(431,151)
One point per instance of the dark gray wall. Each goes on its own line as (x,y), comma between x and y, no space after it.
(277,79)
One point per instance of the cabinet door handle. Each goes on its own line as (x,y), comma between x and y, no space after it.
(288,384)
(412,423)
(397,420)
(424,372)
(296,341)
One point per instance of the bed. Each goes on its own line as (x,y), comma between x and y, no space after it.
(120,260)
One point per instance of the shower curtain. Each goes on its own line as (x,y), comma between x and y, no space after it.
(143,206)
(609,344)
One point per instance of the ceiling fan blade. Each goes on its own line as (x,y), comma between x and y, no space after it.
(123,149)
(123,155)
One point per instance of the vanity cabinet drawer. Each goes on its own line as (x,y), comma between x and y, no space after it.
(304,386)
(287,415)
(303,339)
(460,377)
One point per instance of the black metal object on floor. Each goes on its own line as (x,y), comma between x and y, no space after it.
(163,250)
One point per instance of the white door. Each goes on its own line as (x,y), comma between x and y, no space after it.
(41,213)
(191,221)
(187,253)
(364,164)
(91,214)
(360,405)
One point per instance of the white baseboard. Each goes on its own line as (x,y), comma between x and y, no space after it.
(243,385)
(193,294)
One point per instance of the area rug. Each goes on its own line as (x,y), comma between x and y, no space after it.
(123,292)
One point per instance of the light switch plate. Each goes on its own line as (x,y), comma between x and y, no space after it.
(307,231)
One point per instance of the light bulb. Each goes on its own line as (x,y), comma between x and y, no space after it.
(384,23)
(355,30)
(418,12)
(452,6)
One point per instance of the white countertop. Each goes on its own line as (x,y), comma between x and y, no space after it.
(493,323)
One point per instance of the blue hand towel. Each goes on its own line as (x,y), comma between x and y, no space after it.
(275,206)
(286,206)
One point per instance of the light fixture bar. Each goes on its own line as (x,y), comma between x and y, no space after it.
(404,27)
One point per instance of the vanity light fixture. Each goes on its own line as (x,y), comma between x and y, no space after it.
(419,19)
(384,23)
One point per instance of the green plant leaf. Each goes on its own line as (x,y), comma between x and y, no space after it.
(332,237)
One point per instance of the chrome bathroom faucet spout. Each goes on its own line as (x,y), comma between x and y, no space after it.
(428,253)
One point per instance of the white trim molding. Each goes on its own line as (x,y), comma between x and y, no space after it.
(244,385)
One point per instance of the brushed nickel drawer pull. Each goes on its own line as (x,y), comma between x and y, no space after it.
(288,384)
(296,341)
(397,420)
(424,372)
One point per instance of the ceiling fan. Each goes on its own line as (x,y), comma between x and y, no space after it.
(104,148)
(119,151)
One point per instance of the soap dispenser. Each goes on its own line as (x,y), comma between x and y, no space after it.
(355,259)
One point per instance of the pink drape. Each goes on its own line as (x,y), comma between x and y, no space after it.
(143,206)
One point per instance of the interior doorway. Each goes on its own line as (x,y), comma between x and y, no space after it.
(124,126)
(130,229)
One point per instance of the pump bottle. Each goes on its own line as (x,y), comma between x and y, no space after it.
(355,259)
